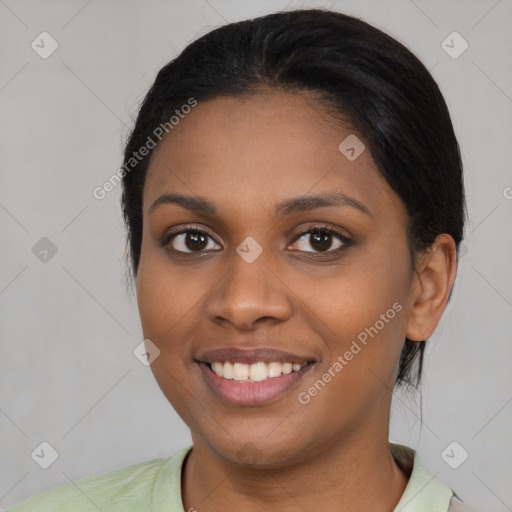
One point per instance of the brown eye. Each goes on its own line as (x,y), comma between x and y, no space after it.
(321,239)
(191,240)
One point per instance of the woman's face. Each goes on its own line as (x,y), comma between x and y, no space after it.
(249,288)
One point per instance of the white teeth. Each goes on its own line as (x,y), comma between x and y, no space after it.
(274,369)
(258,371)
(286,368)
(218,368)
(240,371)
(255,372)
(227,371)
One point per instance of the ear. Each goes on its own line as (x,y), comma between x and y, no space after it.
(431,287)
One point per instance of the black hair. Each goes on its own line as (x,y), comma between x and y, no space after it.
(366,78)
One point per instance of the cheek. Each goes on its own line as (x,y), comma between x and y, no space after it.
(166,312)
(355,296)
(361,316)
(166,297)
(360,312)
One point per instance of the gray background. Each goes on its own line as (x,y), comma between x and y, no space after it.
(69,325)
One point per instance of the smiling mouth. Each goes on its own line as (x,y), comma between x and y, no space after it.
(253,384)
(255,372)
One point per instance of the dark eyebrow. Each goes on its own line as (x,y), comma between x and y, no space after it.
(193,203)
(310,202)
(294,205)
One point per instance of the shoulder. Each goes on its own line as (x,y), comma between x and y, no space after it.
(142,486)
(424,492)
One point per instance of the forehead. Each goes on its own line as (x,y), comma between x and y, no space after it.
(261,149)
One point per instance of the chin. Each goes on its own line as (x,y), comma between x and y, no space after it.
(256,451)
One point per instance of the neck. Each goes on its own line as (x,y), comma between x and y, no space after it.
(356,474)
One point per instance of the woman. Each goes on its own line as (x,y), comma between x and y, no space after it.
(293,196)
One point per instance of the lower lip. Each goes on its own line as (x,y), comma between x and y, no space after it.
(251,393)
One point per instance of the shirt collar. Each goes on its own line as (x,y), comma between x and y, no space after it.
(423,491)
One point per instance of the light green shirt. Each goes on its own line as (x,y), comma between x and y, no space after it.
(155,486)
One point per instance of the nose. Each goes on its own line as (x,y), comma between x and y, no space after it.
(248,295)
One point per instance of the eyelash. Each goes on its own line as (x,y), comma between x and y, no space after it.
(346,242)
(312,229)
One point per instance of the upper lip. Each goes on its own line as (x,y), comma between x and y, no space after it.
(251,355)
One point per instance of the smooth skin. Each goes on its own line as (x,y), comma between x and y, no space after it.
(246,155)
